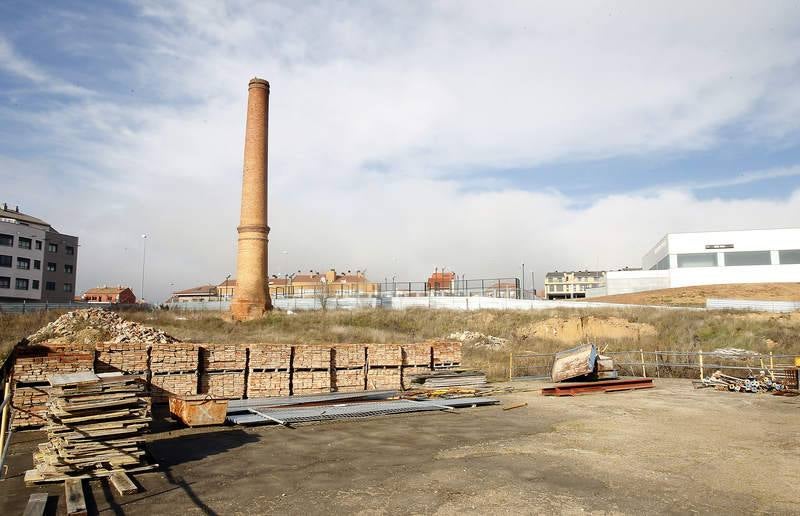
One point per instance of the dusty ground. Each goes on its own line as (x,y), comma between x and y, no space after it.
(696,296)
(671,449)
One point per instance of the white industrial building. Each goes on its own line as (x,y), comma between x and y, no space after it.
(711,258)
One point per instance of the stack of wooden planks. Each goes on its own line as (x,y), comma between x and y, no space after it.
(95,426)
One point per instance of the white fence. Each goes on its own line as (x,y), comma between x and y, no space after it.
(752,306)
(433,302)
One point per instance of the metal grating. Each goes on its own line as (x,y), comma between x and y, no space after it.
(253,415)
(277,401)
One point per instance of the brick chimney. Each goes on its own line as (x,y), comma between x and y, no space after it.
(251,298)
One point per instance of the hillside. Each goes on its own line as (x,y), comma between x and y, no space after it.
(696,296)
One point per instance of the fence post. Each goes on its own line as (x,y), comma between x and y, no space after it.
(771,363)
(702,374)
(4,423)
(644,371)
(510,366)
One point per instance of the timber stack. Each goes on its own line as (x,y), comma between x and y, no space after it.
(95,426)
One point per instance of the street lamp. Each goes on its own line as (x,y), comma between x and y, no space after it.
(144,256)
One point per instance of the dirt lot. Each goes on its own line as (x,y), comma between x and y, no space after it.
(696,296)
(670,449)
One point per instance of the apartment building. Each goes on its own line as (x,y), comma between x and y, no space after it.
(37,263)
(572,284)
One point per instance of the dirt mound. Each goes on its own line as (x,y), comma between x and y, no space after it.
(575,329)
(479,340)
(696,296)
(97,325)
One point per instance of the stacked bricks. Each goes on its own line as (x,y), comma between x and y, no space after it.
(446,354)
(223,384)
(125,357)
(416,360)
(311,369)
(268,371)
(173,369)
(384,369)
(32,366)
(222,369)
(349,362)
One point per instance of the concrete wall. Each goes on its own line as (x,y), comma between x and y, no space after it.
(625,282)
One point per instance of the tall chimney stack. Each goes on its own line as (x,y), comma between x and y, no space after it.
(251,298)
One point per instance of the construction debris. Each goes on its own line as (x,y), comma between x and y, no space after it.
(762,383)
(96,325)
(582,362)
(574,389)
(449,378)
(95,425)
(479,340)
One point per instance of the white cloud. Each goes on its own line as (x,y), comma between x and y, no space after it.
(13,63)
(425,91)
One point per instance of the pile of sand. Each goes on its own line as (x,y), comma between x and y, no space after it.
(575,329)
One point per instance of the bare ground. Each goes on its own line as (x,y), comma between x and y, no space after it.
(671,449)
(696,296)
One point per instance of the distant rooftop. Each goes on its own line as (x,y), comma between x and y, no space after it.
(7,212)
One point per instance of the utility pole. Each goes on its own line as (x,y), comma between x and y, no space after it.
(523,281)
(144,256)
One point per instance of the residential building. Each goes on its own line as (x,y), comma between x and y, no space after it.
(115,295)
(201,293)
(441,281)
(226,288)
(711,258)
(313,284)
(37,263)
(572,284)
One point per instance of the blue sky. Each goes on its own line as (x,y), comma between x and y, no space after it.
(394,123)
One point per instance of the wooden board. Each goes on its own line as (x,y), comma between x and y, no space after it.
(36,504)
(122,483)
(73,491)
(58,380)
(34,476)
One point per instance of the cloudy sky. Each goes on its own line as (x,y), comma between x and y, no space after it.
(403,135)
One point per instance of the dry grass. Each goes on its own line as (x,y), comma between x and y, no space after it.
(675,329)
(697,295)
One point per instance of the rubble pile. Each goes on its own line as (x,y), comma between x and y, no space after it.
(94,325)
(479,340)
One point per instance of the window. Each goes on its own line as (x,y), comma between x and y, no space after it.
(737,258)
(67,287)
(38,245)
(22,284)
(789,256)
(50,285)
(37,264)
(23,263)
(5,282)
(67,268)
(69,250)
(6,240)
(5,261)
(52,248)
(35,284)
(24,243)
(697,260)
(51,267)
(662,265)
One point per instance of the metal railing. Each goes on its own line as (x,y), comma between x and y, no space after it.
(668,364)
(487,287)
